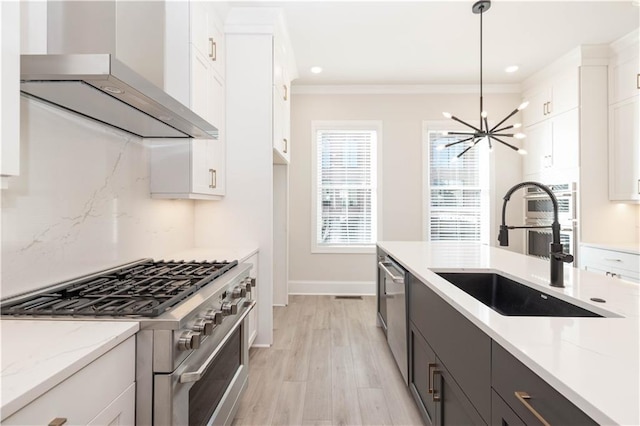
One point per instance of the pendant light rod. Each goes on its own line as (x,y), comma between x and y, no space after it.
(484,132)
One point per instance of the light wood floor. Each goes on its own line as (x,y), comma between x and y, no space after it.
(329,365)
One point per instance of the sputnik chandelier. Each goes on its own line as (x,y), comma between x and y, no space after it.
(495,133)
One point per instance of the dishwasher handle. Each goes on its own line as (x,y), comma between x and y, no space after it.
(396,278)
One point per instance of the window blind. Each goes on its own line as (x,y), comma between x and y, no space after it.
(456,195)
(346,191)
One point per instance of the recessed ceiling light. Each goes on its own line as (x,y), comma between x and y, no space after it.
(511,68)
(316,70)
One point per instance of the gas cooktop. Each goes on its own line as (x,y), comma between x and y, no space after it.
(146,288)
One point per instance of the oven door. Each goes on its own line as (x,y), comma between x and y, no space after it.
(206,390)
(538,241)
(540,207)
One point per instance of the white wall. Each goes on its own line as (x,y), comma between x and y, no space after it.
(402,117)
(81,203)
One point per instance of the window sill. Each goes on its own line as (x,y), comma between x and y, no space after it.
(343,250)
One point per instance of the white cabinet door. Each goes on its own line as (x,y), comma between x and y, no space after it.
(536,111)
(538,145)
(121,412)
(624,80)
(280,142)
(565,150)
(624,151)
(200,85)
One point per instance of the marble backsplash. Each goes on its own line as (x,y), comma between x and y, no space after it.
(81,203)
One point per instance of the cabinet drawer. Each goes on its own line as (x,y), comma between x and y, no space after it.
(607,259)
(451,335)
(84,395)
(502,414)
(510,376)
(421,360)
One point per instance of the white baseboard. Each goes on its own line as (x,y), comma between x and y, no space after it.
(341,288)
(261,345)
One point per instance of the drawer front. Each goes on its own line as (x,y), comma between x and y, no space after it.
(609,259)
(613,272)
(451,336)
(510,376)
(84,395)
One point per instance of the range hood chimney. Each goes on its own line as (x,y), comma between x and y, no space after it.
(100,87)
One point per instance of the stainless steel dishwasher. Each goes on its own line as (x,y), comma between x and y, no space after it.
(395,289)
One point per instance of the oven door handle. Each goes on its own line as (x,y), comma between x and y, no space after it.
(194,376)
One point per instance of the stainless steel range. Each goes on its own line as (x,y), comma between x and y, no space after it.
(192,347)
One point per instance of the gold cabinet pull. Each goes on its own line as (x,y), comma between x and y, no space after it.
(286,92)
(431,365)
(58,421)
(549,109)
(638,81)
(286,145)
(436,396)
(213,49)
(523,397)
(214,178)
(544,108)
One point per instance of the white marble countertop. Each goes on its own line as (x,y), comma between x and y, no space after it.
(215,253)
(593,362)
(37,355)
(625,248)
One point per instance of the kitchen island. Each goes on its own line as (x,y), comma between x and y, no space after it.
(592,362)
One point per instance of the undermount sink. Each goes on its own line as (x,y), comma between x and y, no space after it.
(510,298)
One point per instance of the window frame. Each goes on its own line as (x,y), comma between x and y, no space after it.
(486,160)
(371,125)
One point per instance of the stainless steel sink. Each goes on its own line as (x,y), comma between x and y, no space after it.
(510,298)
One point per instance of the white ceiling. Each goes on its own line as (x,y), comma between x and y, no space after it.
(437,42)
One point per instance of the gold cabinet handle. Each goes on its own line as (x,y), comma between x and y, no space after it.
(522,397)
(214,178)
(549,107)
(638,81)
(286,145)
(436,396)
(58,421)
(286,92)
(431,365)
(213,49)
(544,108)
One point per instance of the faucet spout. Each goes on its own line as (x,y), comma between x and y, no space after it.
(556,256)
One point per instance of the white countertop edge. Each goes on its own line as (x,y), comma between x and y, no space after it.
(629,248)
(442,288)
(11,406)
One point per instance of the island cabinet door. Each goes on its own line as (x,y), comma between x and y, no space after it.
(453,407)
(422,360)
(502,414)
(531,398)
(461,346)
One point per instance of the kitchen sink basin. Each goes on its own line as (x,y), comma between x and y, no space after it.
(510,298)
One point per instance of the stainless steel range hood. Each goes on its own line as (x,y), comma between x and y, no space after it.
(100,87)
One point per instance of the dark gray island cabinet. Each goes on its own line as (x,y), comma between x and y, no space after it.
(459,376)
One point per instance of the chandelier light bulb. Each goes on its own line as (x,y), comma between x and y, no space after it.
(454,159)
(519,136)
(517,126)
(445,132)
(523,105)
(440,147)
(483,114)
(447,115)
(522,151)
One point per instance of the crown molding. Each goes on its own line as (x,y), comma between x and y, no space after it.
(402,89)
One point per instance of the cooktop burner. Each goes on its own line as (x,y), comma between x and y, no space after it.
(144,289)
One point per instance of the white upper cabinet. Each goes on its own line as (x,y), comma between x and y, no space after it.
(10,90)
(624,138)
(281,104)
(194,74)
(551,97)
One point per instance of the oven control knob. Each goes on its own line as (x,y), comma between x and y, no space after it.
(229,309)
(250,281)
(203,326)
(239,292)
(214,315)
(189,340)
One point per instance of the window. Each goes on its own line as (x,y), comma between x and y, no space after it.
(344,213)
(457,199)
